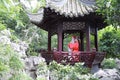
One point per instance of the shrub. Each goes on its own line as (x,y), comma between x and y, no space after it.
(110,42)
(11,64)
(2,27)
(20,76)
(109,63)
(69,72)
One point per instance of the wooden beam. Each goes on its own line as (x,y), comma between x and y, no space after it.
(96,38)
(87,37)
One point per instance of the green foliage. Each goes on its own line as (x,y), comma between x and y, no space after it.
(41,78)
(2,27)
(20,76)
(42,71)
(80,69)
(110,9)
(93,79)
(4,59)
(109,63)
(12,15)
(3,68)
(10,63)
(54,41)
(110,41)
(69,72)
(9,60)
(15,63)
(35,37)
(14,38)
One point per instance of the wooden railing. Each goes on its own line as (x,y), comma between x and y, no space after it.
(64,57)
(89,58)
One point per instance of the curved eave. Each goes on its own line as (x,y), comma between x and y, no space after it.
(36,18)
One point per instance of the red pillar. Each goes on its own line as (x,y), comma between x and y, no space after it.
(49,41)
(87,38)
(96,38)
(60,38)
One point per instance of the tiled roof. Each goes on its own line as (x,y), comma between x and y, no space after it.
(68,8)
(72,8)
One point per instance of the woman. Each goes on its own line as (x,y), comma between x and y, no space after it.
(73,48)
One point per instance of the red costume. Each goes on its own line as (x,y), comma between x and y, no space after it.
(74,47)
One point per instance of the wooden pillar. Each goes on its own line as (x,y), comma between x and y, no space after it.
(87,38)
(49,40)
(62,41)
(60,38)
(81,41)
(96,38)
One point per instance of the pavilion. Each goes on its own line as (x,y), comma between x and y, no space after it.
(71,16)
